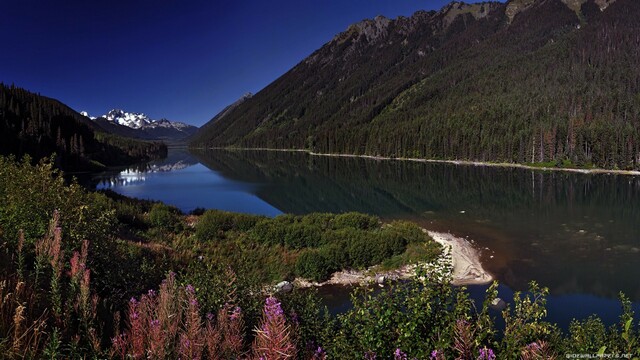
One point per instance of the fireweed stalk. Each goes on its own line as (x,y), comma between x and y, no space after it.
(273,337)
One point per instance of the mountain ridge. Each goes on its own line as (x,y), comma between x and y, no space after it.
(536,85)
(140,126)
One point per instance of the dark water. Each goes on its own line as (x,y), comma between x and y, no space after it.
(577,234)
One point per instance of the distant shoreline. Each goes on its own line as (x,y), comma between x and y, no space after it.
(453,162)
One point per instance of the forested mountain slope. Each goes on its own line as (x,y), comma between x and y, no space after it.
(39,126)
(527,81)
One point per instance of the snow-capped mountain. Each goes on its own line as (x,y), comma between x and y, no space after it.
(139,125)
(84,113)
(132,120)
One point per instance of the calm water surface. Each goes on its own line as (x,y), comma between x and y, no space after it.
(577,234)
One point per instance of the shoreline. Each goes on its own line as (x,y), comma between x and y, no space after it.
(465,260)
(453,162)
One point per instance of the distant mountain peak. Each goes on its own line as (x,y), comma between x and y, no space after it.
(370,29)
(514,7)
(139,125)
(456,8)
(132,120)
(86,114)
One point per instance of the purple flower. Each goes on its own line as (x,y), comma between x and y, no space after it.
(486,354)
(319,353)
(435,355)
(133,301)
(236,313)
(399,355)
(154,323)
(534,346)
(370,355)
(210,316)
(272,308)
(151,293)
(190,289)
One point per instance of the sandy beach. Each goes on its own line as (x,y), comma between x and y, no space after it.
(465,259)
(467,268)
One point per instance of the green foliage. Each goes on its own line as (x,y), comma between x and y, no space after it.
(525,322)
(313,264)
(30,194)
(587,336)
(214,223)
(164,217)
(355,220)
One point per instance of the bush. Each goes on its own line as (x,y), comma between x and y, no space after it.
(356,221)
(410,232)
(300,235)
(268,231)
(321,220)
(30,194)
(214,223)
(336,256)
(313,265)
(164,217)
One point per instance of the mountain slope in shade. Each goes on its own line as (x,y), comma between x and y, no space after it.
(199,135)
(542,81)
(140,126)
(31,124)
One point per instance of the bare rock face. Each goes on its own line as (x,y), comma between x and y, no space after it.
(603,4)
(372,29)
(480,10)
(515,7)
(576,5)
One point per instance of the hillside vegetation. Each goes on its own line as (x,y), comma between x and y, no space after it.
(31,124)
(525,82)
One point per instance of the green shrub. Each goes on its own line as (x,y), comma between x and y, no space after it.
(30,194)
(321,220)
(212,225)
(410,232)
(336,256)
(268,231)
(301,235)
(164,217)
(313,265)
(356,221)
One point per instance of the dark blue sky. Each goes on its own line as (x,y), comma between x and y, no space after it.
(180,59)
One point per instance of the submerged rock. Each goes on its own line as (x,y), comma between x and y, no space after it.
(498,304)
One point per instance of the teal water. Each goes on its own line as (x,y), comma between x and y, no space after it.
(578,234)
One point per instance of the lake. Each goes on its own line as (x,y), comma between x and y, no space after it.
(578,234)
